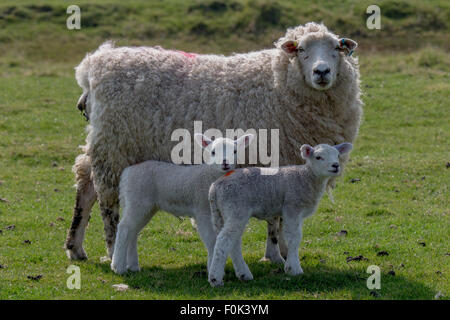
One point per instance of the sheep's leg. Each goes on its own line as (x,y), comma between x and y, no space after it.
(272,242)
(85,200)
(110,216)
(207,234)
(293,234)
(140,221)
(227,239)
(241,268)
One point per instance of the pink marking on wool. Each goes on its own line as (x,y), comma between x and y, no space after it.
(186,54)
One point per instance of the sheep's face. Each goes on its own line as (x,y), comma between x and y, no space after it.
(319,56)
(324,159)
(222,152)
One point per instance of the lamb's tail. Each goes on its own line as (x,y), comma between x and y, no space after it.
(216,215)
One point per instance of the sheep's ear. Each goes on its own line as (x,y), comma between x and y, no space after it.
(290,47)
(306,151)
(348,45)
(344,148)
(245,140)
(202,140)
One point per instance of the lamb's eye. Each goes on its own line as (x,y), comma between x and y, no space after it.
(319,158)
(300,49)
(213,153)
(235,151)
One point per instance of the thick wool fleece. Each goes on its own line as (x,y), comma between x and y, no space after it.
(139,95)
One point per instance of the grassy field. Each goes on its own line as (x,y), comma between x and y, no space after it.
(394,195)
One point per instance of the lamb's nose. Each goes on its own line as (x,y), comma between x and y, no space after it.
(335,165)
(321,71)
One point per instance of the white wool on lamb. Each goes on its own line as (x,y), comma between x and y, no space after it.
(181,190)
(292,192)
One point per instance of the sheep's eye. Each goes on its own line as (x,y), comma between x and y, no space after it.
(300,49)
(213,153)
(338,48)
(319,158)
(235,151)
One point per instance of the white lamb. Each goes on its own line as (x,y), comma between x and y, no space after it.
(292,193)
(181,190)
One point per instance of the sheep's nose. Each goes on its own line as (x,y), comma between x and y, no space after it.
(321,70)
(335,165)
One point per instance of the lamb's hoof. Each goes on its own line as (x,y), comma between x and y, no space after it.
(277,260)
(133,268)
(215,283)
(118,269)
(76,254)
(293,271)
(245,277)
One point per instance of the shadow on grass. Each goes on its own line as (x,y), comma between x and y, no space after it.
(270,282)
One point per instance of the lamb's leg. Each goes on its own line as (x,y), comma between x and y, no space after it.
(85,200)
(140,220)
(132,254)
(207,234)
(126,232)
(241,268)
(272,242)
(227,240)
(292,232)
(281,241)
(125,249)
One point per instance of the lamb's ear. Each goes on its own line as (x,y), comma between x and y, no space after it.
(202,140)
(348,45)
(344,148)
(306,151)
(290,47)
(245,140)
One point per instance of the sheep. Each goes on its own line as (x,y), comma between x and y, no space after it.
(181,190)
(292,192)
(135,97)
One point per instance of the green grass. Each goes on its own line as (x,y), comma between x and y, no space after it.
(400,156)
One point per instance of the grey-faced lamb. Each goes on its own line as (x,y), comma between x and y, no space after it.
(181,190)
(291,192)
(136,97)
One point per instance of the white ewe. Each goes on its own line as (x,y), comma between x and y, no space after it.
(292,192)
(307,87)
(181,190)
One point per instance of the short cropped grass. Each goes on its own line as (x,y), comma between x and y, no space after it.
(393,198)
